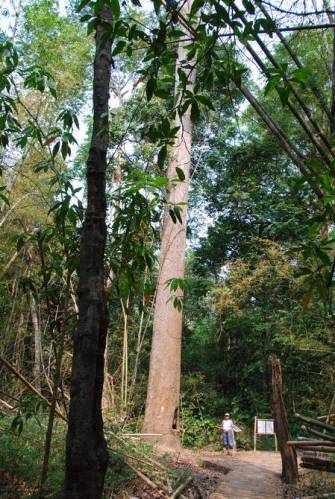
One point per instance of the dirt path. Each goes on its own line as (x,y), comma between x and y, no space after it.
(249,476)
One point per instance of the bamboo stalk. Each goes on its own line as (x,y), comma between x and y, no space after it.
(6,405)
(181,487)
(319,448)
(326,436)
(285,142)
(317,467)
(332,494)
(316,422)
(302,104)
(148,458)
(29,385)
(317,460)
(306,443)
(142,476)
(295,58)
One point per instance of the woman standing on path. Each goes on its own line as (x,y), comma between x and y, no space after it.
(228,438)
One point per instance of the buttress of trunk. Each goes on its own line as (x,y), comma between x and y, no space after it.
(86,449)
(162,404)
(37,369)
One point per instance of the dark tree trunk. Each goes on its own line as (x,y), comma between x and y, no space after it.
(288,453)
(86,450)
(333,86)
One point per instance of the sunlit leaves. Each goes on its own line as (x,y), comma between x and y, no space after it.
(115,8)
(38,78)
(177,286)
(280,79)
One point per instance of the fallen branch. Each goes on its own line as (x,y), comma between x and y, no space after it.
(142,476)
(123,454)
(156,463)
(306,443)
(318,467)
(317,460)
(316,422)
(29,385)
(326,436)
(6,405)
(181,487)
(326,417)
(320,448)
(332,494)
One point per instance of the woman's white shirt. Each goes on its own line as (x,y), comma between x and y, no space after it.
(227,424)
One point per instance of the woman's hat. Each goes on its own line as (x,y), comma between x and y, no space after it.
(227,414)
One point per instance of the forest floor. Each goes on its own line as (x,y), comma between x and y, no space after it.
(247,475)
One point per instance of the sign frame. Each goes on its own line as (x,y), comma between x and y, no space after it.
(271,423)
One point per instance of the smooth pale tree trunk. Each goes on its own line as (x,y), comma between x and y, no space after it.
(162,403)
(86,450)
(37,369)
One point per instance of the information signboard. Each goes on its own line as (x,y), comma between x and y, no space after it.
(264,427)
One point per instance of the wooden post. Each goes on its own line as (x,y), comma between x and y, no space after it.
(276,442)
(288,454)
(255,433)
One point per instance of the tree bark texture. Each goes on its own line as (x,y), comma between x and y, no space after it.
(162,403)
(37,369)
(86,450)
(288,453)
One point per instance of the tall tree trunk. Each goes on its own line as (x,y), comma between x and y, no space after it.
(288,453)
(86,450)
(162,404)
(107,392)
(37,369)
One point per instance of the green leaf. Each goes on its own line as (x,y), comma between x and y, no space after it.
(166,127)
(195,111)
(180,174)
(284,93)
(162,156)
(173,216)
(323,257)
(157,6)
(301,75)
(119,47)
(150,88)
(82,4)
(205,101)
(85,18)
(4,198)
(55,149)
(115,7)
(196,5)
(272,83)
(248,6)
(177,210)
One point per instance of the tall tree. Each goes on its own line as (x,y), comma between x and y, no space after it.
(162,404)
(86,451)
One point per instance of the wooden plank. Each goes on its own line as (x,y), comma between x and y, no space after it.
(304,443)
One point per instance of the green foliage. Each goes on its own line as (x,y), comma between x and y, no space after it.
(197,431)
(21,455)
